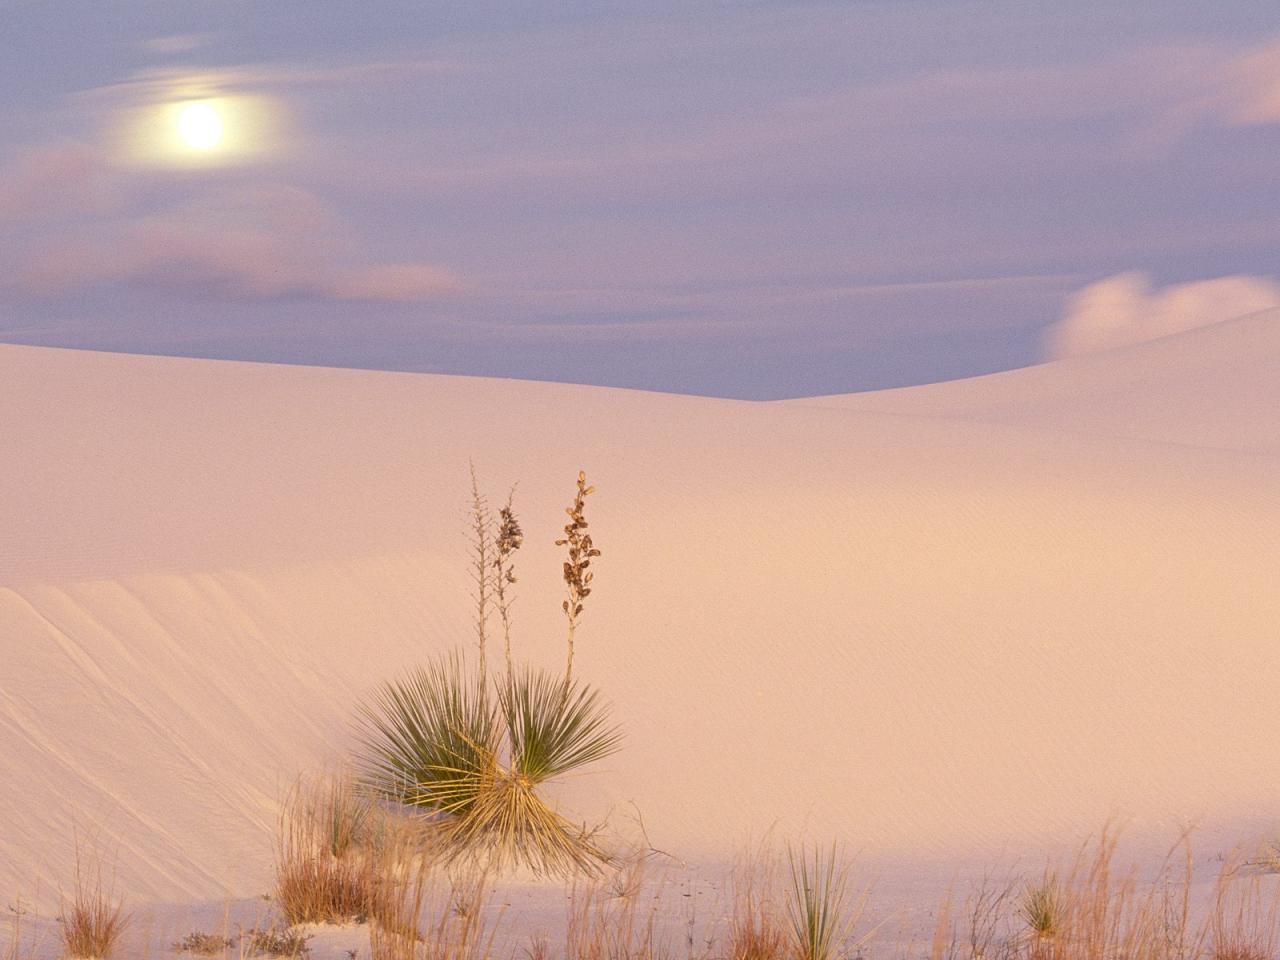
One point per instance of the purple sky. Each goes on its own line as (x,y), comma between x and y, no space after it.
(752,200)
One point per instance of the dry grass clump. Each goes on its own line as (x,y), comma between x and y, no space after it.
(11,949)
(1245,921)
(1095,912)
(983,937)
(757,927)
(474,749)
(321,876)
(425,913)
(807,915)
(604,921)
(94,919)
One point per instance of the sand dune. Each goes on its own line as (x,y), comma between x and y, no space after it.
(1214,386)
(926,621)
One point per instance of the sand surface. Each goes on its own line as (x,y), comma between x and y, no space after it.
(951,621)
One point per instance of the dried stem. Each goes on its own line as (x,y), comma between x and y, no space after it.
(482,550)
(577,577)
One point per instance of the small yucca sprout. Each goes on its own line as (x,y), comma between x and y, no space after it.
(577,576)
(1040,908)
(817,907)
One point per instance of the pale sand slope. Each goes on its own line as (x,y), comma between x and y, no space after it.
(922,636)
(1216,386)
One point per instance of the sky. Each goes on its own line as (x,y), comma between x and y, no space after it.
(753,200)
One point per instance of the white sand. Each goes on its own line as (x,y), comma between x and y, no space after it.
(952,620)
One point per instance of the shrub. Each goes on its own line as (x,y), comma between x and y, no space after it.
(606,923)
(423,915)
(203,944)
(274,943)
(756,931)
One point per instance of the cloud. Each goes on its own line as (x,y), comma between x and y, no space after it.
(1253,87)
(1125,309)
(54,180)
(394,282)
(175,43)
(1234,88)
(251,243)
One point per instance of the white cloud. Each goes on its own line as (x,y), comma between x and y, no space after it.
(1126,309)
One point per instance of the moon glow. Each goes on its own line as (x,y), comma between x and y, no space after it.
(200,126)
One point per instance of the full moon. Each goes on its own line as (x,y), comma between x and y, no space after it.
(199,125)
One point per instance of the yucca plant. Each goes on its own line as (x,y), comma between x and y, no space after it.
(437,739)
(1041,909)
(818,904)
(430,738)
(550,730)
(431,744)
(553,729)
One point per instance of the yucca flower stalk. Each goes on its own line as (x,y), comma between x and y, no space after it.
(577,577)
(507,540)
(482,558)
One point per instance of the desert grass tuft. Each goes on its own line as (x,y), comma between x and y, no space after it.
(11,949)
(1244,921)
(818,907)
(94,919)
(757,926)
(426,913)
(604,920)
(1093,911)
(320,872)
(980,936)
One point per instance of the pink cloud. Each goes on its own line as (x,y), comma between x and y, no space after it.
(1125,309)
(54,180)
(394,282)
(1254,87)
(256,242)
